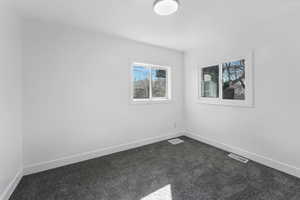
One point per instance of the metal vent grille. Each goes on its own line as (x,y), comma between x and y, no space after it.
(175,141)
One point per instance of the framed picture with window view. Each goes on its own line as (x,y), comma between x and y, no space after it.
(229,82)
(150,83)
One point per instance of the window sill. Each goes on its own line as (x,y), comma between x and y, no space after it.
(230,103)
(149,102)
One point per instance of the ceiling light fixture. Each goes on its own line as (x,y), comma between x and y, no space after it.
(165,7)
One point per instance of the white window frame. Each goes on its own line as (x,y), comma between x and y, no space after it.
(151,99)
(249,98)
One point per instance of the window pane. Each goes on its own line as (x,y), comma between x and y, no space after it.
(141,82)
(159,83)
(210,82)
(234,80)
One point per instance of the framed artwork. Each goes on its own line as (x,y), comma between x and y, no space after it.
(229,82)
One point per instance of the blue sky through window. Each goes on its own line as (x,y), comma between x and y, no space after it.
(233,70)
(154,74)
(140,73)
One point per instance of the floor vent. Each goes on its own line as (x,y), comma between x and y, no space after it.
(175,141)
(238,158)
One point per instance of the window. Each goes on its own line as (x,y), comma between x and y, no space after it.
(150,82)
(141,82)
(227,83)
(233,80)
(210,82)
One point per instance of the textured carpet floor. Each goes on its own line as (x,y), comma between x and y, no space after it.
(161,171)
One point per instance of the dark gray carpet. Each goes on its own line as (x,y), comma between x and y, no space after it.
(161,171)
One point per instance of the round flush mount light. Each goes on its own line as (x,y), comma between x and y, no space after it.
(165,7)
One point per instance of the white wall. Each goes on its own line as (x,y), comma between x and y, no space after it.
(10,100)
(76,92)
(271,128)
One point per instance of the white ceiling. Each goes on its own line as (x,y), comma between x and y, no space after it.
(197,22)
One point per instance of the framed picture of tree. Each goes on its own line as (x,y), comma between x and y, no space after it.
(229,82)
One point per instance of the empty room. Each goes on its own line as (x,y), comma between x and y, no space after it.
(149,100)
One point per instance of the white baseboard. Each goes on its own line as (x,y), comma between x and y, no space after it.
(12,186)
(106,151)
(289,169)
(39,167)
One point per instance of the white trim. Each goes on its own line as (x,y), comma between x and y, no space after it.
(292,170)
(42,166)
(249,81)
(287,168)
(12,186)
(148,102)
